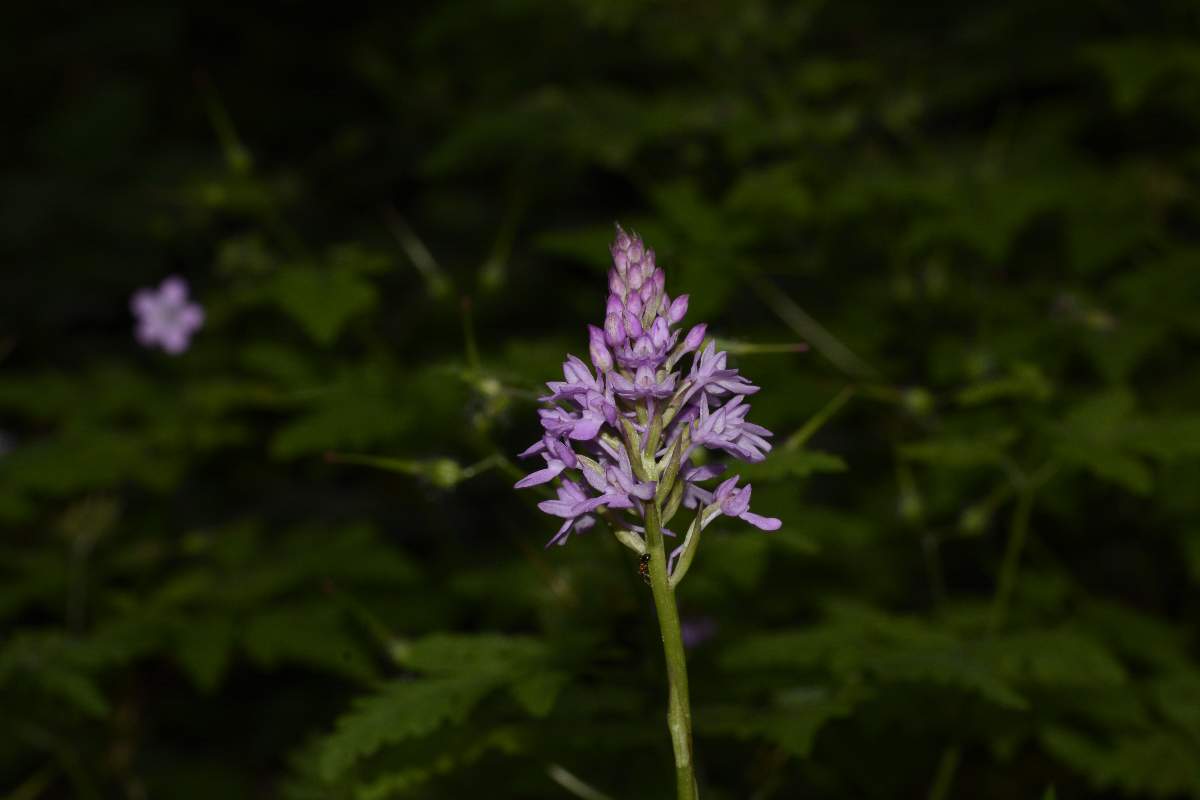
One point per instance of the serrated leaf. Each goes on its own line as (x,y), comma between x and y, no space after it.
(860,642)
(444,654)
(1153,763)
(791,722)
(76,688)
(1056,659)
(403,709)
(314,636)
(1024,380)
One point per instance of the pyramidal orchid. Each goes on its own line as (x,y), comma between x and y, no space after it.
(630,437)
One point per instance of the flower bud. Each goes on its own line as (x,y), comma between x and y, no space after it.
(622,242)
(695,337)
(633,304)
(598,351)
(660,280)
(659,334)
(444,473)
(613,306)
(636,279)
(636,250)
(615,284)
(678,309)
(614,330)
(633,325)
(621,262)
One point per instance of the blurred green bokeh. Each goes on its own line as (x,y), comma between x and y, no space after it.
(289,563)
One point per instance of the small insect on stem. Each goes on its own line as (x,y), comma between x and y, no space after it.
(644,568)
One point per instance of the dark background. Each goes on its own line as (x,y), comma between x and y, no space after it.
(289,562)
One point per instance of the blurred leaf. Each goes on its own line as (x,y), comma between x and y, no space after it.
(203,648)
(791,722)
(323,301)
(1156,764)
(1134,67)
(313,636)
(361,409)
(794,463)
(985,450)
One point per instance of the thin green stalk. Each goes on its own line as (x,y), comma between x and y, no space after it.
(800,437)
(946,769)
(468,322)
(679,714)
(1018,533)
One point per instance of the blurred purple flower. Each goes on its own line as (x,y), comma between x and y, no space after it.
(165,317)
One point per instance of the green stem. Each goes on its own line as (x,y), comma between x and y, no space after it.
(679,714)
(800,437)
(947,766)
(1018,533)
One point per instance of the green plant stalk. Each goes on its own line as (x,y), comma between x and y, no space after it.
(1018,533)
(679,714)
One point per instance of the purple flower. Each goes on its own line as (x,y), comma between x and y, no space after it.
(710,374)
(165,317)
(578,381)
(735,502)
(572,504)
(727,429)
(644,384)
(623,437)
(559,456)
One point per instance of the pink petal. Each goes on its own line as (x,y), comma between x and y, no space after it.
(587,427)
(143,303)
(560,537)
(191,316)
(541,476)
(762,523)
(173,291)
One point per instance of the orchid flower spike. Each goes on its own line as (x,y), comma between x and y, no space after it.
(623,435)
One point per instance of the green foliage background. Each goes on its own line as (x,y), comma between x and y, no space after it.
(289,564)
